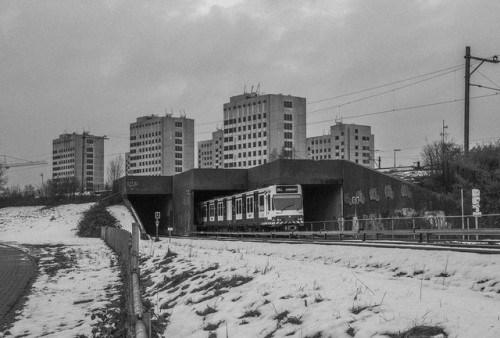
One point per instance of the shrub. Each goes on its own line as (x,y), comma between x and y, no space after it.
(93,219)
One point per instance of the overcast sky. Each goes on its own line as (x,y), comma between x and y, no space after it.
(69,66)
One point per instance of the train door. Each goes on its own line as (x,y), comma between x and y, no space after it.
(250,207)
(204,213)
(261,205)
(220,211)
(239,208)
(211,211)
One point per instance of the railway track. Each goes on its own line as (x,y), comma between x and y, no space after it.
(490,246)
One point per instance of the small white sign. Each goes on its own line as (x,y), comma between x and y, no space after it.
(477,213)
(475,200)
(157,215)
(170,229)
(476,192)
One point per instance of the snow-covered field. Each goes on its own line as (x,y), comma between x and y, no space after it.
(77,276)
(236,289)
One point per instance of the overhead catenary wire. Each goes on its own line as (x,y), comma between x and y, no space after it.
(455,68)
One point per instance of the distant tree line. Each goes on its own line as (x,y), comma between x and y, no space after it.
(450,171)
(55,192)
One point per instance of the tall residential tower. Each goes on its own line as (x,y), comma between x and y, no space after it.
(262,128)
(161,145)
(351,142)
(78,158)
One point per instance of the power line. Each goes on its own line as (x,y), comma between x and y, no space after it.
(375,95)
(404,109)
(458,67)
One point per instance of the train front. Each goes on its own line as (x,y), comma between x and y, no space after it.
(287,207)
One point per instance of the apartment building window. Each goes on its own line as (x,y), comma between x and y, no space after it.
(288,117)
(178,134)
(288,126)
(178,124)
(287,104)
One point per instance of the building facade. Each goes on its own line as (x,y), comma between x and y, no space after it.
(161,145)
(351,142)
(210,152)
(263,128)
(77,159)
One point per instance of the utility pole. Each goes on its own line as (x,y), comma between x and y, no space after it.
(395,157)
(443,134)
(468,74)
(82,188)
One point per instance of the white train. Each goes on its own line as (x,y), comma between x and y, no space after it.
(276,207)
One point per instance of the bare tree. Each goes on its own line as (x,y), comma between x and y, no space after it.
(116,169)
(439,156)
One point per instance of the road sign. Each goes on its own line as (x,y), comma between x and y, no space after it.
(355,199)
(157,215)
(475,201)
(170,229)
(476,192)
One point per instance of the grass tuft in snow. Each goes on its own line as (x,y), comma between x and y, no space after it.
(250,313)
(281,316)
(208,310)
(212,326)
(357,309)
(420,331)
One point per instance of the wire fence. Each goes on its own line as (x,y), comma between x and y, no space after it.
(434,221)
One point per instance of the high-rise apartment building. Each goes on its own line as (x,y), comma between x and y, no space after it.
(161,145)
(351,142)
(210,152)
(261,128)
(78,158)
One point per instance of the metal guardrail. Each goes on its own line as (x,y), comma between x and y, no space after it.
(421,235)
(127,245)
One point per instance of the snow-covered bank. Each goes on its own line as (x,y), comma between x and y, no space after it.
(268,290)
(77,277)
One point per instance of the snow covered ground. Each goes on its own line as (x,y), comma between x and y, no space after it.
(77,276)
(236,289)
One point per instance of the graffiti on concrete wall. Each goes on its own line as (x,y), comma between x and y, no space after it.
(406,192)
(389,193)
(437,219)
(374,196)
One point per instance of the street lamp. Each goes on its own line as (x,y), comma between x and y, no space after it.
(395,156)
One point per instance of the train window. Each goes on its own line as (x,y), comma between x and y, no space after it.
(268,203)
(220,209)
(238,206)
(261,203)
(287,202)
(205,211)
(249,204)
(212,210)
